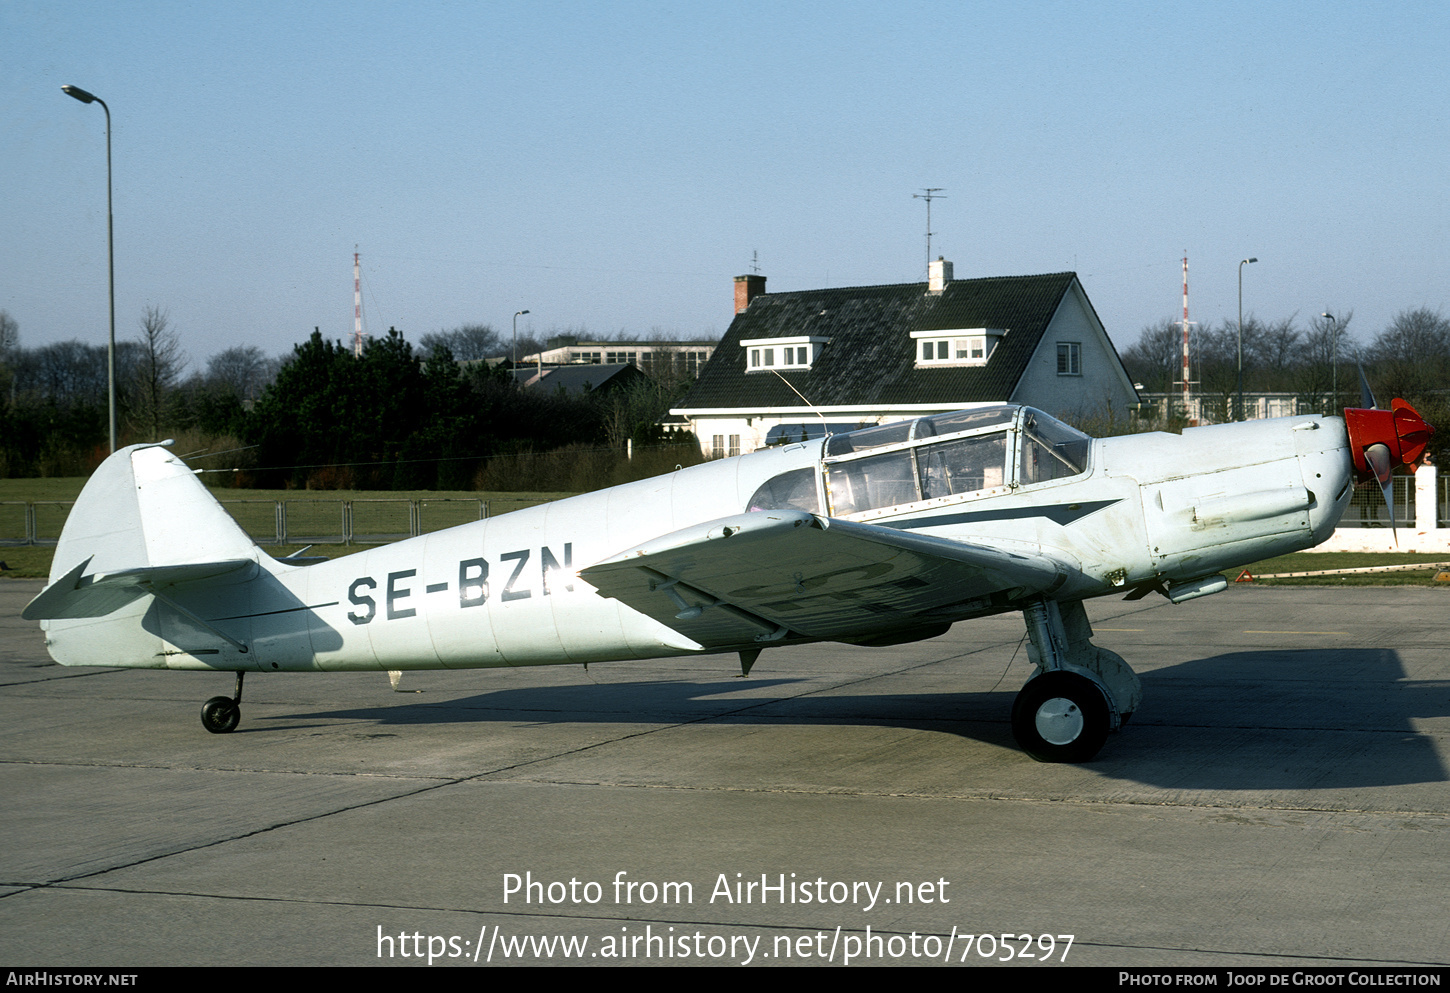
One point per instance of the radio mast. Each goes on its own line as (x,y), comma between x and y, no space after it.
(1187,383)
(357,331)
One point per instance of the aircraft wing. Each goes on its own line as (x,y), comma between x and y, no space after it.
(777,574)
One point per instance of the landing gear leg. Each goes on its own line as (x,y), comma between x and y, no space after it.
(1079,692)
(221,714)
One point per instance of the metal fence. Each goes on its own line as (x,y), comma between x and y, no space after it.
(1367,507)
(377,521)
(291,522)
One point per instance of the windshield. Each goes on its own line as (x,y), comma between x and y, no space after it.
(1051,449)
(794,490)
(935,465)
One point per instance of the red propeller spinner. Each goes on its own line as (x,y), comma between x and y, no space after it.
(1379,440)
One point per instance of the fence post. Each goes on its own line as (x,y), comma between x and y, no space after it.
(281,522)
(1427,505)
(32,529)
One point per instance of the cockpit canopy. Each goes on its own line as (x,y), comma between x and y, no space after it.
(966,452)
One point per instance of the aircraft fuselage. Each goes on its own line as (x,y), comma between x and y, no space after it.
(1152,508)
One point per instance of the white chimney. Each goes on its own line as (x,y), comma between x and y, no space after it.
(939,273)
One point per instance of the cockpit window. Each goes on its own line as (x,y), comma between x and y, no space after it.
(866,484)
(924,427)
(929,468)
(868,438)
(1051,449)
(794,490)
(932,460)
(965,420)
(962,466)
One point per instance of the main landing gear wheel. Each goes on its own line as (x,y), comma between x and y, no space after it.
(220,715)
(1060,717)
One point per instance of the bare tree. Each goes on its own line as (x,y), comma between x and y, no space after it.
(1414,335)
(159,365)
(468,342)
(242,370)
(1272,350)
(9,333)
(1411,355)
(9,351)
(1327,377)
(66,373)
(1156,358)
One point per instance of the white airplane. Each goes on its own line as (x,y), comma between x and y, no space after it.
(875,537)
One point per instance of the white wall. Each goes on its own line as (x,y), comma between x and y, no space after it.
(1423,537)
(1103,383)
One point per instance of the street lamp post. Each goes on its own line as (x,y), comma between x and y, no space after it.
(84,97)
(516,337)
(1242,263)
(1334,360)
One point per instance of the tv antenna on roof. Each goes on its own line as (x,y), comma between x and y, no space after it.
(929,194)
(755,262)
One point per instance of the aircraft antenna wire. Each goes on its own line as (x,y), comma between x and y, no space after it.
(810,405)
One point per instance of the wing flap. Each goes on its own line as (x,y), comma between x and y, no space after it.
(774,574)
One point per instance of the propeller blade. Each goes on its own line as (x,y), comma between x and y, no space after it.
(1366,394)
(1381,462)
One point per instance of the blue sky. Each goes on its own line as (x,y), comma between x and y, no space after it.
(612,166)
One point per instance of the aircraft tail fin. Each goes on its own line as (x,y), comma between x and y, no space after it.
(142,520)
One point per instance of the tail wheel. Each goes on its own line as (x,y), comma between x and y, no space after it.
(1061,717)
(220,715)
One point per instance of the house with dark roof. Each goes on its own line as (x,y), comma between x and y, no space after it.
(808,362)
(576,379)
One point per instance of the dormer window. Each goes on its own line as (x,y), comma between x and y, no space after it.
(955,347)
(795,354)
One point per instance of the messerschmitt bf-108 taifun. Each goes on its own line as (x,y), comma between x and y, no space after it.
(880,536)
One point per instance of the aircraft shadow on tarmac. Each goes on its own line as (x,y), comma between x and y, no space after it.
(1242,720)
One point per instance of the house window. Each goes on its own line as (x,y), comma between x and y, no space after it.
(956,351)
(717,447)
(965,347)
(621,358)
(734,445)
(791,354)
(1069,358)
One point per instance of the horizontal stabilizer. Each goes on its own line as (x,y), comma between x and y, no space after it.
(78,595)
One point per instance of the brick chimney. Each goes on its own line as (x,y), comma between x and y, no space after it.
(747,288)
